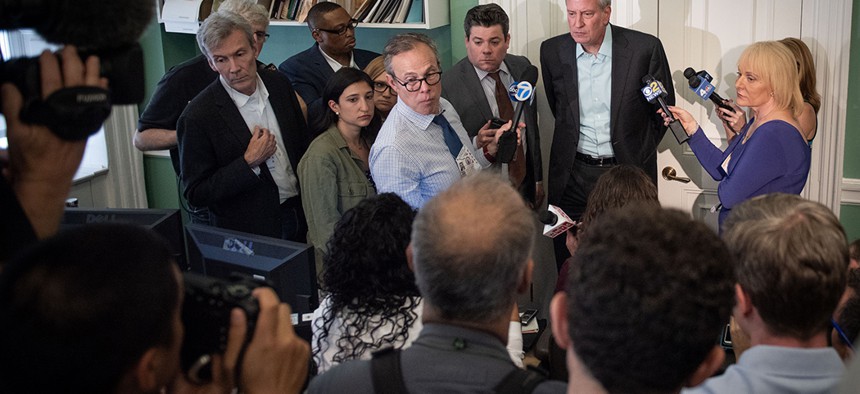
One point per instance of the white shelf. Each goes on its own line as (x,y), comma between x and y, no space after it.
(436,14)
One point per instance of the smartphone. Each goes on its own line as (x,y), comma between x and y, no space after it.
(495,123)
(527,316)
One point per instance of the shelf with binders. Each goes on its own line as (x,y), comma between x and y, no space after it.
(379,14)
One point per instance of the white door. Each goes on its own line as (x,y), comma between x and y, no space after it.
(710,35)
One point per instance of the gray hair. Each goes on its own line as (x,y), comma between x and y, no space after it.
(404,43)
(791,258)
(604,3)
(471,245)
(217,27)
(253,12)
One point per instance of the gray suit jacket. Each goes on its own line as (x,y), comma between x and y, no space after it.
(635,126)
(460,86)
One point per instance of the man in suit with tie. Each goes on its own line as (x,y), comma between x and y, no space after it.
(477,87)
(334,32)
(592,78)
(241,138)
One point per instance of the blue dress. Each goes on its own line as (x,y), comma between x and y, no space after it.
(776,158)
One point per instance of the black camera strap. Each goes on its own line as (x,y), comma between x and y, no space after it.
(73,114)
(387,376)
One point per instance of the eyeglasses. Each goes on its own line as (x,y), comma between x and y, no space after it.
(261,35)
(413,85)
(842,336)
(342,30)
(381,87)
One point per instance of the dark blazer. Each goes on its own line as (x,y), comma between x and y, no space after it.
(635,126)
(460,86)
(309,71)
(213,138)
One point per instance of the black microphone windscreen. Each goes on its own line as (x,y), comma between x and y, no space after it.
(693,81)
(94,24)
(689,73)
(548,218)
(530,75)
(647,79)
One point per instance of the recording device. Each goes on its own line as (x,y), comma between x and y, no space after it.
(654,91)
(700,83)
(689,72)
(726,337)
(555,221)
(206,317)
(527,316)
(521,92)
(507,145)
(107,29)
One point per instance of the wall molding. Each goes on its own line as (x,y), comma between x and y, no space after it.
(850,191)
(826,29)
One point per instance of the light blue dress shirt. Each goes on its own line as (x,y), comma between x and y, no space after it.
(410,157)
(595,94)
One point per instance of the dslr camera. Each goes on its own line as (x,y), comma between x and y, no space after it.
(206,317)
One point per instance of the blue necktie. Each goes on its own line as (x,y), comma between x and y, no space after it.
(451,138)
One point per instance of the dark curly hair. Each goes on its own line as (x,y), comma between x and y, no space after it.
(636,285)
(367,277)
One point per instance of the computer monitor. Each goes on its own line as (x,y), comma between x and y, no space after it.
(165,222)
(289,266)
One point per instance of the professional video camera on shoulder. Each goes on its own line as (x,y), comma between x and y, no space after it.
(107,29)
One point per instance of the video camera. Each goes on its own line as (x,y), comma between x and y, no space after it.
(108,30)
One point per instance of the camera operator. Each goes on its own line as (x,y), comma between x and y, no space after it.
(38,176)
(81,315)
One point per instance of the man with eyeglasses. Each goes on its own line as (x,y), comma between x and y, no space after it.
(334,32)
(422,148)
(790,271)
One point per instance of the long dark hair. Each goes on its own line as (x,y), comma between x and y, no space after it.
(335,86)
(367,277)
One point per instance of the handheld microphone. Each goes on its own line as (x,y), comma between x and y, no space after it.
(689,72)
(555,221)
(521,92)
(654,91)
(700,83)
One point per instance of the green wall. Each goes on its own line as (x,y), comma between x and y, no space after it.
(850,214)
(163,50)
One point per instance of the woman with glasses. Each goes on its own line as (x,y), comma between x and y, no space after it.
(384,97)
(334,174)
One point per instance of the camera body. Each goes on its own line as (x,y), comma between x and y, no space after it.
(206,317)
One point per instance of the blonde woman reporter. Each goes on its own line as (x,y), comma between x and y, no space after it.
(769,153)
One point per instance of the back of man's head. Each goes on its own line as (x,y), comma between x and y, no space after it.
(649,290)
(791,259)
(471,245)
(79,310)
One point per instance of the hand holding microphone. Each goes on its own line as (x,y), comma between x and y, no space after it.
(700,83)
(522,92)
(555,221)
(654,91)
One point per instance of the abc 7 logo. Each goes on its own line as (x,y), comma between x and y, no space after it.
(524,91)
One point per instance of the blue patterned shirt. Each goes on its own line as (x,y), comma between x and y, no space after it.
(410,157)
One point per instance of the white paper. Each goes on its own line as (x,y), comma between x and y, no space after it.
(180,16)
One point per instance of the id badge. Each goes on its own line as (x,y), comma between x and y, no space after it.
(467,163)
